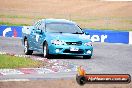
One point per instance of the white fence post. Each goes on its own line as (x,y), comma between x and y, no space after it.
(130,37)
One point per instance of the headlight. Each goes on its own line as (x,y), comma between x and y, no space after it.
(57,42)
(88,44)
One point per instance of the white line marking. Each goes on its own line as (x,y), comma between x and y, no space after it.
(8,80)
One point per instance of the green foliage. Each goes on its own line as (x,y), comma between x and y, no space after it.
(7,61)
(12,24)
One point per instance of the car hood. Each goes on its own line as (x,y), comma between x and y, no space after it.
(68,37)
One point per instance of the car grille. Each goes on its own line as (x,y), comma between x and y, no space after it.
(80,51)
(79,43)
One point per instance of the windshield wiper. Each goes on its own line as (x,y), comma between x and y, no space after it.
(78,33)
(58,32)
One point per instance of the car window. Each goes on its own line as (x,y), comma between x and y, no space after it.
(62,27)
(37,25)
(42,26)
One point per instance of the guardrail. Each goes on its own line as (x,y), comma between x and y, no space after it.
(95,35)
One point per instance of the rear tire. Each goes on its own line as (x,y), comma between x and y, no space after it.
(87,57)
(26,48)
(45,50)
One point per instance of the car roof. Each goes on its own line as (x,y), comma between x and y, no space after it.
(51,20)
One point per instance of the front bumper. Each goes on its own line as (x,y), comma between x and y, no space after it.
(66,50)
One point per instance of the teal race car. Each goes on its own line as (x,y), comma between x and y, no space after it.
(56,37)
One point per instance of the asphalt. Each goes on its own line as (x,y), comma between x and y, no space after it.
(108,58)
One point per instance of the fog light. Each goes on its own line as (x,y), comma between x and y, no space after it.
(89,52)
(57,50)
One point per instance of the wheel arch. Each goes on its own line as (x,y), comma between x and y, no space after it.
(25,38)
(44,43)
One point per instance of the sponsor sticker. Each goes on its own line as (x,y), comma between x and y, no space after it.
(82,78)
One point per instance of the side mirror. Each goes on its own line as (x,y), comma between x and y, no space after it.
(86,33)
(39,31)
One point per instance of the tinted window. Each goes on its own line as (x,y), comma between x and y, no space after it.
(62,27)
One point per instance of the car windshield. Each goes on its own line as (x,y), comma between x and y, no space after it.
(58,27)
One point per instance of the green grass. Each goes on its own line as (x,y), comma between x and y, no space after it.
(101,28)
(20,16)
(84,23)
(13,24)
(7,61)
(12,16)
(127,21)
(84,20)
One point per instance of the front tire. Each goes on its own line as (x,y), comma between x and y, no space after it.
(26,48)
(45,50)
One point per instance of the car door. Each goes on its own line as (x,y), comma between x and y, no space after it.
(34,36)
(31,39)
(41,36)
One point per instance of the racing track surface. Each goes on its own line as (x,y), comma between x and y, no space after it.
(107,58)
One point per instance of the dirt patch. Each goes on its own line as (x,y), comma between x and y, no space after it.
(85,8)
(58,83)
(71,9)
